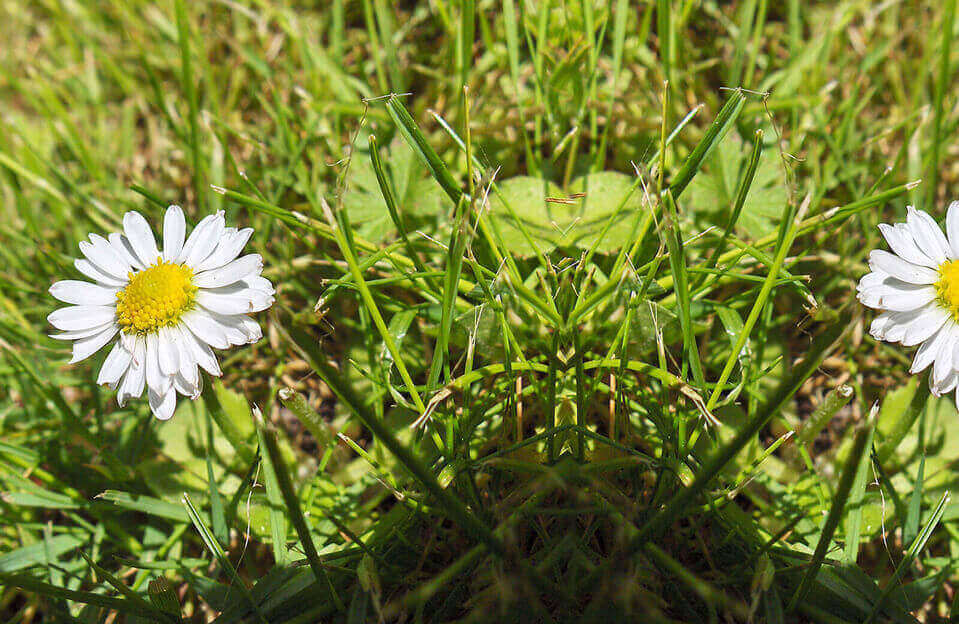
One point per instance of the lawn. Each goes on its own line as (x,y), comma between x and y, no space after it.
(565,323)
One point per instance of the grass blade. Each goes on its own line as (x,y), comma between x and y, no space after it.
(740,201)
(285,485)
(716,462)
(274,497)
(189,80)
(128,593)
(119,605)
(677,264)
(855,460)
(917,545)
(724,120)
(387,191)
(941,87)
(414,137)
(450,503)
(853,528)
(350,257)
(790,231)
(209,540)
(910,526)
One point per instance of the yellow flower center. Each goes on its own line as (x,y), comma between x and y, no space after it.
(156,296)
(947,287)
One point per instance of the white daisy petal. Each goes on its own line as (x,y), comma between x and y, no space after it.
(928,236)
(123,248)
(167,356)
(249,265)
(952,227)
(950,382)
(219,255)
(943,362)
(228,249)
(80,317)
(924,356)
(90,270)
(870,280)
(233,327)
(258,282)
(128,341)
(102,254)
(174,231)
(243,288)
(156,380)
(206,329)
(251,328)
(243,302)
(205,246)
(928,350)
(202,353)
(224,243)
(135,378)
(898,324)
(924,323)
(197,232)
(82,333)
(895,266)
(187,368)
(140,235)
(83,293)
(85,347)
(184,387)
(896,298)
(879,325)
(914,326)
(248,329)
(877,284)
(114,366)
(163,404)
(203,239)
(903,245)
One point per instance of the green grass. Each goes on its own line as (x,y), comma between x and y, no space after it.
(565,323)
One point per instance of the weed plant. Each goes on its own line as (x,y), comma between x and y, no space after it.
(565,328)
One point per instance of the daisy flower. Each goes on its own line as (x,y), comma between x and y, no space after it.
(164,311)
(917,288)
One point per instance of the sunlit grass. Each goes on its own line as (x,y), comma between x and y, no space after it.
(578,340)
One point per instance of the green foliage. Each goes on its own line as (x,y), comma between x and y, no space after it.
(578,341)
(420,201)
(712,194)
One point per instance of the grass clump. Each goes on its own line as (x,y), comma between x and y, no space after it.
(578,340)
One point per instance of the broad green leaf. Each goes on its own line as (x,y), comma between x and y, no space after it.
(712,192)
(480,325)
(607,194)
(419,198)
(651,319)
(520,203)
(234,419)
(572,221)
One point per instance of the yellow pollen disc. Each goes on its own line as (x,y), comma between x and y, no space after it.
(156,296)
(947,287)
